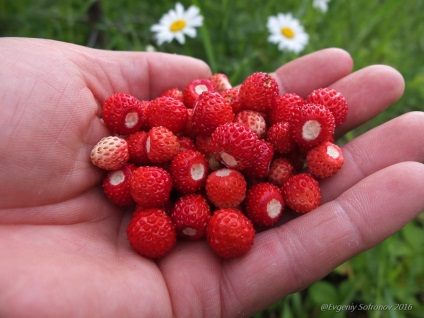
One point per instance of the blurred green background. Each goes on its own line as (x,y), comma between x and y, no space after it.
(233,40)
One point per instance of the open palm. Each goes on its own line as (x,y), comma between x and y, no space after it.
(63,248)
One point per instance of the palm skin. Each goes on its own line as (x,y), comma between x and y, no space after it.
(63,247)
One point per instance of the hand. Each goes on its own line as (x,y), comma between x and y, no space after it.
(63,247)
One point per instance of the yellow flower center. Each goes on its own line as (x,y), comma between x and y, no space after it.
(177,25)
(287,32)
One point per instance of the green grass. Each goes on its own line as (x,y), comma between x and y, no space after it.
(233,40)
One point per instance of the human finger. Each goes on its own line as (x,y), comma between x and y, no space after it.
(291,257)
(398,140)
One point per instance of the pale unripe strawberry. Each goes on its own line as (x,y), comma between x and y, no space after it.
(110,153)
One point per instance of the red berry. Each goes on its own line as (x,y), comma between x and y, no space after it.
(191,214)
(161,145)
(325,160)
(186,143)
(123,113)
(261,160)
(167,112)
(137,148)
(110,153)
(151,233)
(232,96)
(189,171)
(226,188)
(230,233)
(312,124)
(116,185)
(150,186)
(264,204)
(283,107)
(210,111)
(279,135)
(175,93)
(220,82)
(258,91)
(301,193)
(234,145)
(194,89)
(281,169)
(331,99)
(255,121)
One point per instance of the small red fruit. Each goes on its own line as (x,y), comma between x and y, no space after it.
(167,112)
(264,204)
(150,186)
(232,96)
(175,93)
(333,100)
(194,89)
(283,107)
(279,135)
(258,91)
(261,160)
(281,169)
(161,145)
(189,170)
(116,185)
(325,160)
(110,153)
(137,148)
(123,113)
(312,124)
(230,233)
(301,193)
(211,110)
(151,233)
(234,145)
(191,214)
(226,188)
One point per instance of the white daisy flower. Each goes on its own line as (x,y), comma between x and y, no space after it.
(177,23)
(287,32)
(321,5)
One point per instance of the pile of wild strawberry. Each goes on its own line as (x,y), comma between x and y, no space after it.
(215,162)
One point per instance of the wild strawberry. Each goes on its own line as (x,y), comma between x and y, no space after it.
(194,89)
(167,112)
(226,188)
(151,233)
(150,186)
(116,185)
(261,160)
(325,160)
(281,169)
(123,113)
(283,107)
(161,145)
(258,91)
(232,96)
(331,99)
(175,93)
(252,119)
(234,145)
(301,193)
(191,214)
(279,135)
(110,153)
(137,148)
(230,233)
(189,171)
(188,129)
(312,124)
(210,111)
(220,81)
(264,204)
(186,143)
